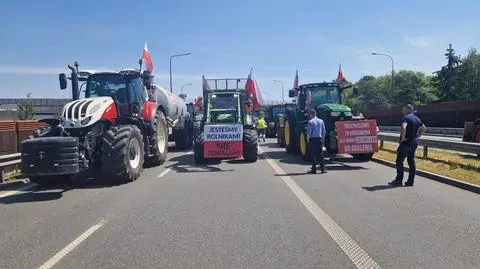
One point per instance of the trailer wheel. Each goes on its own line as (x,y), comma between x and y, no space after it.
(250,145)
(363,157)
(122,153)
(160,140)
(198,148)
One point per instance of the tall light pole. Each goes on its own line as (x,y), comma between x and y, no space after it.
(173,56)
(283,84)
(393,69)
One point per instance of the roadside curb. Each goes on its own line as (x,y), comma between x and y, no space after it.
(443,179)
(8,185)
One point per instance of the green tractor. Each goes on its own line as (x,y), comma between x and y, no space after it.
(226,130)
(326,99)
(274,113)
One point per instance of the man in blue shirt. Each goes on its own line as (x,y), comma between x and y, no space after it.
(315,135)
(411,129)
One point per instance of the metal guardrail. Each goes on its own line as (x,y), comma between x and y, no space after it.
(456,132)
(8,160)
(438,143)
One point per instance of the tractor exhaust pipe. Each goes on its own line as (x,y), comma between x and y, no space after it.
(74,77)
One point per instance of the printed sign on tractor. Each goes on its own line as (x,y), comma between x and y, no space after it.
(223,141)
(356,137)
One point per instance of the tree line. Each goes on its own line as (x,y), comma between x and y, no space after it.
(458,79)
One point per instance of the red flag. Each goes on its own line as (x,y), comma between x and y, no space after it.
(252,87)
(198,103)
(147,58)
(295,84)
(340,77)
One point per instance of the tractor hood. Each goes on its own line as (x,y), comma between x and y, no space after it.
(335,108)
(85,112)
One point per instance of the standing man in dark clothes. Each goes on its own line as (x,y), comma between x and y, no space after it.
(315,135)
(411,129)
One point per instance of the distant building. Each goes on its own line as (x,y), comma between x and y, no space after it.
(44,108)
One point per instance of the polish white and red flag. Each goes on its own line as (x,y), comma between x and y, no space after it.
(295,83)
(252,87)
(147,58)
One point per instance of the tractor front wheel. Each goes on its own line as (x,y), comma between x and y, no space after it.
(304,152)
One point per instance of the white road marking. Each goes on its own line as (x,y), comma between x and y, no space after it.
(26,188)
(356,254)
(62,253)
(164,172)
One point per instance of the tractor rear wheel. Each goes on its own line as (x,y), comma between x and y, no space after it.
(198,148)
(183,137)
(122,153)
(159,140)
(250,145)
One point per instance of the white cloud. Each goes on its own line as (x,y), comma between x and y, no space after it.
(421,41)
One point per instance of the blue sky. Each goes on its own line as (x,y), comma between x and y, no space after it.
(39,38)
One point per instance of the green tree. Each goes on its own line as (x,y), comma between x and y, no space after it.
(26,111)
(369,96)
(468,77)
(446,78)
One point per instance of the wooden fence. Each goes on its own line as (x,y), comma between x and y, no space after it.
(13,132)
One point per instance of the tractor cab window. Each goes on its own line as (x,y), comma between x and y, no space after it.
(223,108)
(316,96)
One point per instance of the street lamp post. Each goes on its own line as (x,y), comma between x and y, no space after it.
(173,56)
(279,81)
(393,70)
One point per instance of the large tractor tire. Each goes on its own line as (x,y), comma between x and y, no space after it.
(122,153)
(250,145)
(198,147)
(363,157)
(184,137)
(160,140)
(289,132)
(303,146)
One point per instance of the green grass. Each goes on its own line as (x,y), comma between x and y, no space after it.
(457,166)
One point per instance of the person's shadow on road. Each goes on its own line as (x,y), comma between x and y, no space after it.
(380,187)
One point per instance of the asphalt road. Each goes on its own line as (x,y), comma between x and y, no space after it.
(268,214)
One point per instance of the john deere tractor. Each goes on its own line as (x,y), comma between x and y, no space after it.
(226,130)
(326,99)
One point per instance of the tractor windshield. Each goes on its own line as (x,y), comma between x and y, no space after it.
(320,95)
(223,108)
(276,110)
(124,89)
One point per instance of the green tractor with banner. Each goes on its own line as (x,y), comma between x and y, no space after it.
(345,133)
(226,130)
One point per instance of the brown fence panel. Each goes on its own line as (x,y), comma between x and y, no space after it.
(8,137)
(25,128)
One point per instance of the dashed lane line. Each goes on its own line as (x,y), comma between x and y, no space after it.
(164,172)
(62,253)
(354,252)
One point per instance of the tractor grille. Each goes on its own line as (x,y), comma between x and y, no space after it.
(76,110)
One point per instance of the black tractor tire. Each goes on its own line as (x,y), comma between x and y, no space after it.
(291,145)
(159,150)
(47,181)
(184,137)
(250,145)
(198,148)
(366,157)
(120,145)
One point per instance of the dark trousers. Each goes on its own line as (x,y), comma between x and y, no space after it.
(316,153)
(406,150)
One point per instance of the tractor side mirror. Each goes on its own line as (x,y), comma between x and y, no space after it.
(62,78)
(355,91)
(291,93)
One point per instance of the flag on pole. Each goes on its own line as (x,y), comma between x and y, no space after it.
(252,87)
(147,58)
(340,77)
(295,83)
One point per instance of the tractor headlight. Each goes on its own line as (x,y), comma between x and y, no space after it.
(347,114)
(334,114)
(86,120)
